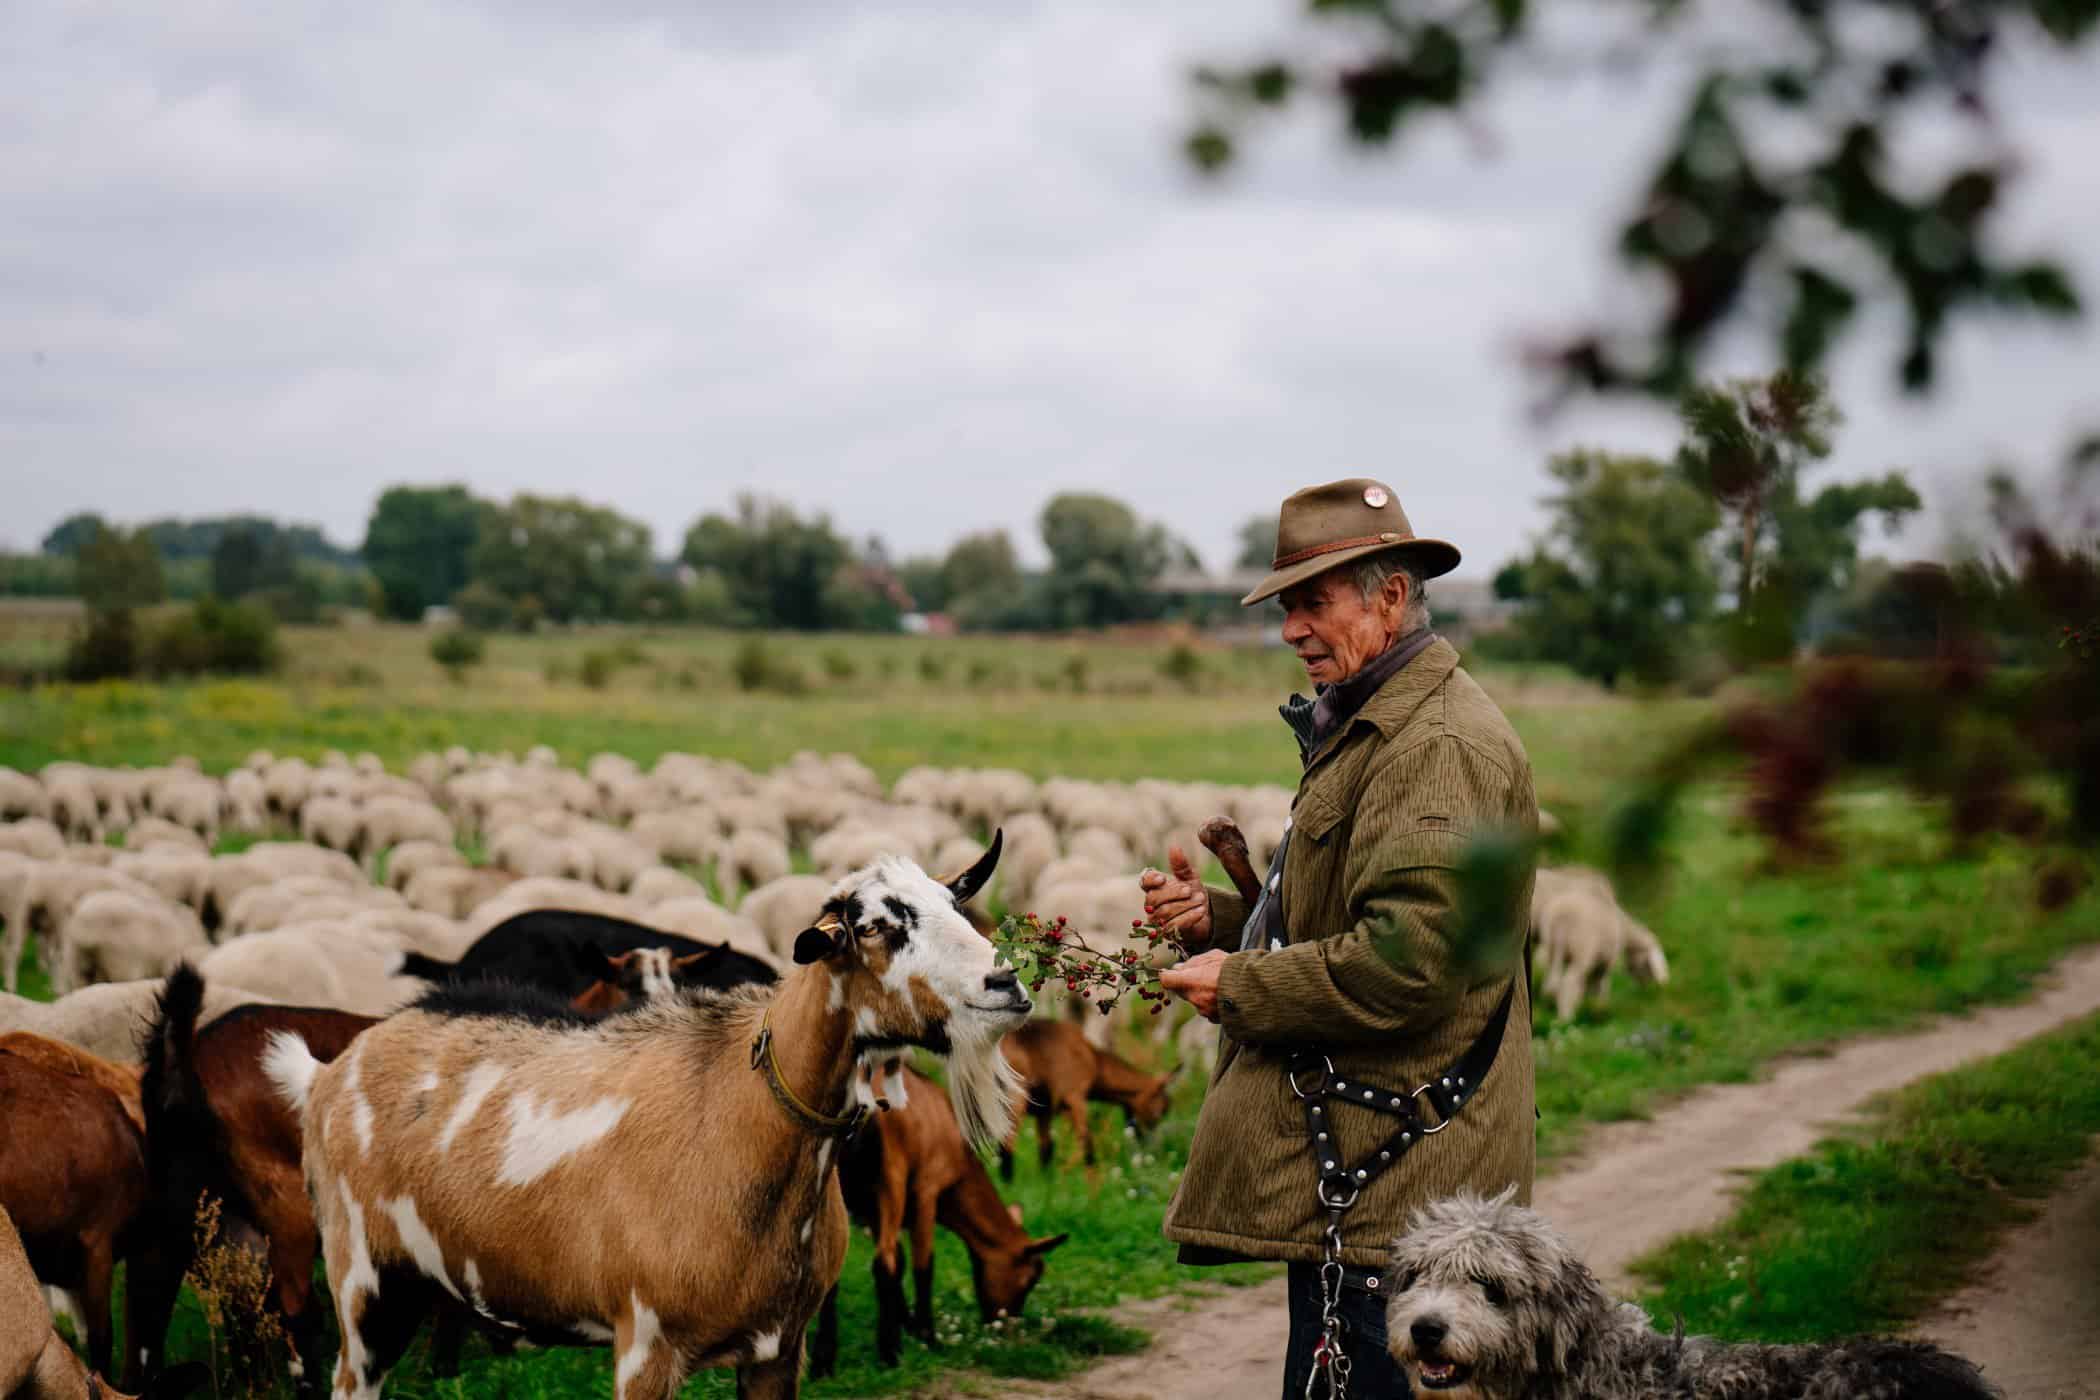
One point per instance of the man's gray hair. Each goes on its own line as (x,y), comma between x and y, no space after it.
(1374,569)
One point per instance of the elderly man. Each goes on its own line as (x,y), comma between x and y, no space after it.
(1344,987)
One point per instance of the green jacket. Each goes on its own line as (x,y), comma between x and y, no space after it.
(1381,816)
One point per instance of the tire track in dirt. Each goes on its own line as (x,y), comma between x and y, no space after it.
(2031,1316)
(1634,1186)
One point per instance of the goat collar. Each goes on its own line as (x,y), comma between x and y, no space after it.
(823,1124)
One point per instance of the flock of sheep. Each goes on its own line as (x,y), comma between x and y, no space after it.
(378,871)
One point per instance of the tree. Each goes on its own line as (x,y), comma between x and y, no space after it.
(251,559)
(776,565)
(69,535)
(1102,561)
(922,578)
(419,545)
(980,565)
(1722,223)
(576,560)
(1623,573)
(1746,442)
(1257,542)
(120,569)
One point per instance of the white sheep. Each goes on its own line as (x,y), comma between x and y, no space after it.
(22,796)
(1581,934)
(120,936)
(660,883)
(698,917)
(784,907)
(32,836)
(454,891)
(687,834)
(45,896)
(409,857)
(751,858)
(336,965)
(390,820)
(108,1018)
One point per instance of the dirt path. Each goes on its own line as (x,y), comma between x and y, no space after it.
(2031,1318)
(1635,1186)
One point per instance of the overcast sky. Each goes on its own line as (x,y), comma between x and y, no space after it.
(916,265)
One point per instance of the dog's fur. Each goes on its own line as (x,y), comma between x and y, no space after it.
(1495,1305)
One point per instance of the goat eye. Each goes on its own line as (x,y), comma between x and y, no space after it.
(1495,1293)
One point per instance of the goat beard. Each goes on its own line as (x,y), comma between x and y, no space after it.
(981,1084)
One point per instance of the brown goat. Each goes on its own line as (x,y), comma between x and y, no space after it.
(121,1080)
(75,1186)
(35,1362)
(1062,1071)
(219,1128)
(659,1180)
(910,1167)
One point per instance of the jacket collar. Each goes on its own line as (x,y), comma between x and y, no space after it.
(1390,706)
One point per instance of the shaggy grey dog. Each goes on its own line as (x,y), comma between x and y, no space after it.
(1490,1303)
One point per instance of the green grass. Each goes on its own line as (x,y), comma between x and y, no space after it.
(1764,961)
(1877,1224)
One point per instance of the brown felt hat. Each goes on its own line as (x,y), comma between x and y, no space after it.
(1323,527)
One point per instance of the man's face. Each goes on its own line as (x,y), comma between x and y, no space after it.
(1333,629)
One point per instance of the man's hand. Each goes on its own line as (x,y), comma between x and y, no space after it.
(1196,981)
(1178,903)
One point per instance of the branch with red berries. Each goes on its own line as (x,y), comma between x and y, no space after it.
(1051,953)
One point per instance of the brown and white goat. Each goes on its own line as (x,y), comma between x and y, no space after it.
(911,1169)
(1062,1070)
(661,1180)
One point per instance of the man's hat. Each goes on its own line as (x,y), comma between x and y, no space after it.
(1323,527)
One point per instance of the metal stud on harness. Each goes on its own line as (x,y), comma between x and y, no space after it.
(1339,1184)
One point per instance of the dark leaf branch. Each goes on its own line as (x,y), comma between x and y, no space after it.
(1728,231)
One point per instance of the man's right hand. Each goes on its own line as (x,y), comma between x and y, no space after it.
(1177,901)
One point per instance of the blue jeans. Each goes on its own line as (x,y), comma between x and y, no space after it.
(1373,1374)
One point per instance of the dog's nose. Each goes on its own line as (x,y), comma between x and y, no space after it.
(1428,1332)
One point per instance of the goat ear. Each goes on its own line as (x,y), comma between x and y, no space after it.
(817,944)
(965,886)
(691,959)
(1047,1243)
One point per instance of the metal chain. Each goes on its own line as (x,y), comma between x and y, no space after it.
(1329,1360)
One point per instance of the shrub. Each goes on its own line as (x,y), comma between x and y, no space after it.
(1075,670)
(106,647)
(597,667)
(458,650)
(756,668)
(482,608)
(932,666)
(1182,666)
(839,665)
(215,636)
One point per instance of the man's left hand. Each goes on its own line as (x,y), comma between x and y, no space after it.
(1196,981)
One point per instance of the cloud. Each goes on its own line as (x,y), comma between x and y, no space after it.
(918,266)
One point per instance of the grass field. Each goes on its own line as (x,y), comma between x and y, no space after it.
(1764,960)
(1878,1224)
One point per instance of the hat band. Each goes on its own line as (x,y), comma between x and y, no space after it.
(1284,561)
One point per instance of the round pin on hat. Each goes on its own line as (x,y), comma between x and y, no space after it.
(1375,497)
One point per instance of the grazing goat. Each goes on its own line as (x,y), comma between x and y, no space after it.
(121,1080)
(75,1186)
(216,1126)
(562,951)
(1062,1071)
(35,1362)
(658,1180)
(910,1168)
